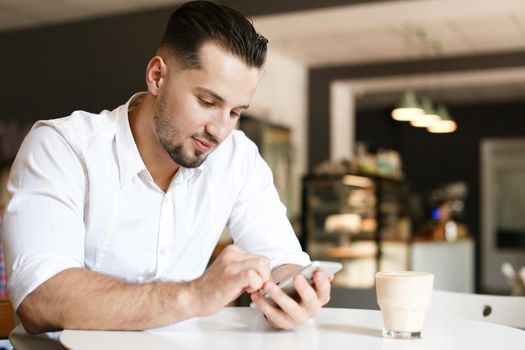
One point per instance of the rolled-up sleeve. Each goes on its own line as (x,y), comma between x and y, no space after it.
(43,231)
(258,222)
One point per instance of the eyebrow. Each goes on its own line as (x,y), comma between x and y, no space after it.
(216,96)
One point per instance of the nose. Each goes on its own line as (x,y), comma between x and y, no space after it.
(220,126)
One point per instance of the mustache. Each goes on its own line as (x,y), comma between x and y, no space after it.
(208,137)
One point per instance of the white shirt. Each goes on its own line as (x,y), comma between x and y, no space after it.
(82,197)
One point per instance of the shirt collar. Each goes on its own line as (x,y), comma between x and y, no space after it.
(129,159)
(190,175)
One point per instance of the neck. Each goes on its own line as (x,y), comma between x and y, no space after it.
(158,162)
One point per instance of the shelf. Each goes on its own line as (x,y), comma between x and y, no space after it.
(360,212)
(332,177)
(355,236)
(353,252)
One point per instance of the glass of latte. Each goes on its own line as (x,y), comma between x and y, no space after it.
(403,297)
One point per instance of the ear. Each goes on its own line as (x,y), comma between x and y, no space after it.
(155,74)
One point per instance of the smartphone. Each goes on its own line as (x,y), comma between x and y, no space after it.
(328,267)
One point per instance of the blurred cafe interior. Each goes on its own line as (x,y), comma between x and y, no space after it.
(395,129)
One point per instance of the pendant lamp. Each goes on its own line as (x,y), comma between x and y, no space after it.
(408,108)
(429,118)
(446,124)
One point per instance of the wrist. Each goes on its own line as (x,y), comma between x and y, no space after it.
(190,299)
(177,301)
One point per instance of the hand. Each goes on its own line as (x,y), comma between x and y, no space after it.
(232,273)
(289,313)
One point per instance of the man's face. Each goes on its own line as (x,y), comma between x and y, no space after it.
(197,109)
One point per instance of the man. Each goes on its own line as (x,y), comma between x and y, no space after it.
(114,215)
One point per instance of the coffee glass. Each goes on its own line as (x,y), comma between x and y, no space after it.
(403,297)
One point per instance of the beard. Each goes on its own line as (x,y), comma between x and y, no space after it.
(167,132)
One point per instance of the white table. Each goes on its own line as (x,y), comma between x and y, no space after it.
(246,329)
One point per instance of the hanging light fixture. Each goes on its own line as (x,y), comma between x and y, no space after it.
(446,123)
(408,108)
(429,118)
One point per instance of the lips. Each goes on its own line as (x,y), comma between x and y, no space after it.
(202,145)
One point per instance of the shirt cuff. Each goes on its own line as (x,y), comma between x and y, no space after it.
(35,271)
(298,259)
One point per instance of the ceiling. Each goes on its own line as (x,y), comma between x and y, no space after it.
(397,30)
(379,31)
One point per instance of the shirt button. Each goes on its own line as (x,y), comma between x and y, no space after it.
(162,251)
(166,200)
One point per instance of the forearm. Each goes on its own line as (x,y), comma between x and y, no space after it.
(83,299)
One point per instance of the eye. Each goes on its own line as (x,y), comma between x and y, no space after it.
(205,102)
(234,114)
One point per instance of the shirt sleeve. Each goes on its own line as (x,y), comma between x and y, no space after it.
(258,222)
(43,227)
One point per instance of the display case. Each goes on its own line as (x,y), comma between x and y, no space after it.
(361,221)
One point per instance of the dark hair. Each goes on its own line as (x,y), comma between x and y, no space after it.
(197,22)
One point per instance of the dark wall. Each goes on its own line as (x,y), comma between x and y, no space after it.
(92,65)
(431,160)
